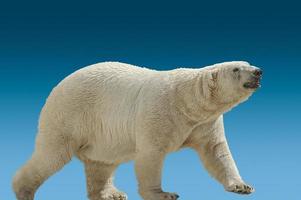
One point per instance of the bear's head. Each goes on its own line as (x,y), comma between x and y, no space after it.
(233,82)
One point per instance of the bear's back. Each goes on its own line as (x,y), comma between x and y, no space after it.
(101,77)
(104,87)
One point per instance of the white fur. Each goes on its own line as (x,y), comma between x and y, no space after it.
(111,112)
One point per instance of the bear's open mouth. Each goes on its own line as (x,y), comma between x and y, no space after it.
(252,85)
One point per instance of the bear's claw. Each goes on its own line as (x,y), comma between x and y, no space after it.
(160,196)
(240,188)
(113,194)
(171,196)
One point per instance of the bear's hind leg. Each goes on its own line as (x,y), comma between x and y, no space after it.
(48,158)
(100,181)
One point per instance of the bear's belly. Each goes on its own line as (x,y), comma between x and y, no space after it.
(110,152)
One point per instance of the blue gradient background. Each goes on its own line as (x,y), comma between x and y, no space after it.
(42,42)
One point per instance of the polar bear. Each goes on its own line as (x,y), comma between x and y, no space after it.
(109,113)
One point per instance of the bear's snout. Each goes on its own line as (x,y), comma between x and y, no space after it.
(254,81)
(258,72)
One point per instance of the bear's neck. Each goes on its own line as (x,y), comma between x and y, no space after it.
(193,97)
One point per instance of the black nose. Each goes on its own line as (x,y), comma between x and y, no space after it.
(257,72)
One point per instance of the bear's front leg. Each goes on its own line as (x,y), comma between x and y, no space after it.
(148,167)
(213,150)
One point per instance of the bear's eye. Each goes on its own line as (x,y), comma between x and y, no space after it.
(236,69)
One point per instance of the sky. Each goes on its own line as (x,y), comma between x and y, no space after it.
(41,42)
